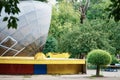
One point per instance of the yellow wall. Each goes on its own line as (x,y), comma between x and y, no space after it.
(30,60)
(39,56)
(64,68)
(54,66)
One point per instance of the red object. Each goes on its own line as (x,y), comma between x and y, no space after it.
(16,69)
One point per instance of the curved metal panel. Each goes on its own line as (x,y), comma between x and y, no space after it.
(33,27)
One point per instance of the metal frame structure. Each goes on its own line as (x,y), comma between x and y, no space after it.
(11,47)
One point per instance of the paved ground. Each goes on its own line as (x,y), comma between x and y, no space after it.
(107,76)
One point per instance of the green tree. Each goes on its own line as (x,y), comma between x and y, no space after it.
(89,36)
(64,18)
(97,9)
(114,36)
(94,34)
(51,45)
(98,58)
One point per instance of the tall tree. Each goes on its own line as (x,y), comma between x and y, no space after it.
(83,10)
(97,9)
(64,18)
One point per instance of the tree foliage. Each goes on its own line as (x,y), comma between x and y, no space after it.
(80,39)
(99,58)
(42,0)
(97,9)
(11,8)
(64,18)
(92,35)
(114,60)
(51,45)
(114,9)
(114,35)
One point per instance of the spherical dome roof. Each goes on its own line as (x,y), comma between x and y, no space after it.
(32,30)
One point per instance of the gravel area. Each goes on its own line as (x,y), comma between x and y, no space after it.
(107,76)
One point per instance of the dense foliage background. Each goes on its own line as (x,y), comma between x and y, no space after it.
(96,32)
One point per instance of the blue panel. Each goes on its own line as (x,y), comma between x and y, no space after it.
(40,69)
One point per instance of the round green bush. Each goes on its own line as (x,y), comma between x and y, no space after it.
(99,57)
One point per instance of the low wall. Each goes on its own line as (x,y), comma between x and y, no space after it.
(64,68)
(26,65)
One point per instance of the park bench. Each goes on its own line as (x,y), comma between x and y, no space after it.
(112,68)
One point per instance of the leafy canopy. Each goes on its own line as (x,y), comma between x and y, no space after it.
(114,10)
(99,57)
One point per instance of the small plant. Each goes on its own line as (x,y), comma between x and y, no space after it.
(99,58)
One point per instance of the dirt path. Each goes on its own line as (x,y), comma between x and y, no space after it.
(108,76)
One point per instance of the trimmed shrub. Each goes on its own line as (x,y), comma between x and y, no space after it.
(99,58)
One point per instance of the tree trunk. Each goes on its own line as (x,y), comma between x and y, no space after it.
(83,10)
(98,70)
